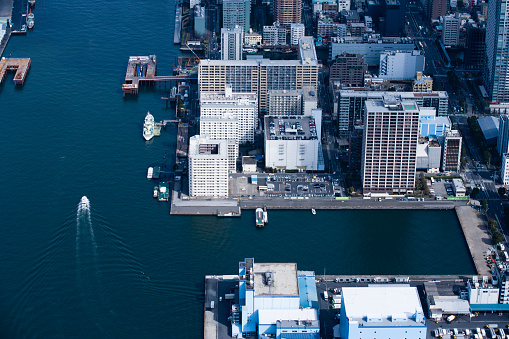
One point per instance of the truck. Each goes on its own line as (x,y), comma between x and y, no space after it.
(450,318)
(325,296)
(229,296)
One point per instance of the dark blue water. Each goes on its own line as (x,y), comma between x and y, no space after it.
(126,268)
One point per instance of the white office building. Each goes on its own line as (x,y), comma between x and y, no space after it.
(381,312)
(274,35)
(231,43)
(244,106)
(225,127)
(504,171)
(291,143)
(297,31)
(208,167)
(401,65)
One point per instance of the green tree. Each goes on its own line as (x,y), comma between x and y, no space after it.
(474,192)
(484,204)
(502,191)
(486,155)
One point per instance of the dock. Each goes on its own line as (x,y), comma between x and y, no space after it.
(18,65)
(182,140)
(476,235)
(178,26)
(141,70)
(19,17)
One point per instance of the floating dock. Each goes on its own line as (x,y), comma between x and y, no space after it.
(141,70)
(182,140)
(20,66)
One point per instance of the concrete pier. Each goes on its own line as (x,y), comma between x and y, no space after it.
(20,66)
(476,235)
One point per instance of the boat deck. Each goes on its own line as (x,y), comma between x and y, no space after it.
(20,66)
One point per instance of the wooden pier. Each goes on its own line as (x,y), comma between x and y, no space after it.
(20,66)
(141,70)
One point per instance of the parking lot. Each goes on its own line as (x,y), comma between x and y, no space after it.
(298,186)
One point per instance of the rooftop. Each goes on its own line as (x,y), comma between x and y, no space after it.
(293,127)
(275,279)
(201,146)
(307,52)
(272,316)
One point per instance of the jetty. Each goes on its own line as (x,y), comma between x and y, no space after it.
(18,65)
(178,25)
(141,70)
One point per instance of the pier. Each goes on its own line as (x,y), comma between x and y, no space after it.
(178,26)
(141,70)
(20,66)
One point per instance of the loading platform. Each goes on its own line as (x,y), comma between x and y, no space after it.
(19,65)
(141,70)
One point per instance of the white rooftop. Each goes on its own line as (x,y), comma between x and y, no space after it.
(284,279)
(271,316)
(381,301)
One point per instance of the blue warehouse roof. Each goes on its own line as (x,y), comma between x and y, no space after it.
(307,291)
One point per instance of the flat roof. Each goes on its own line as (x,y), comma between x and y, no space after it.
(290,127)
(271,316)
(201,146)
(384,302)
(283,276)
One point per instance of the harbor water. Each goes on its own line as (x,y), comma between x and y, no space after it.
(123,267)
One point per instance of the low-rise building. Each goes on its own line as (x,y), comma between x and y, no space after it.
(274,35)
(429,155)
(249,164)
(382,312)
(458,188)
(291,143)
(422,83)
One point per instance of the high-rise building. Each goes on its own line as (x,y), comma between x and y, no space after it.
(451,151)
(284,102)
(261,75)
(297,31)
(389,147)
(496,73)
(225,127)
(244,106)
(237,13)
(476,45)
(393,18)
(401,65)
(351,105)
(274,35)
(349,69)
(503,135)
(504,171)
(208,167)
(231,43)
(451,30)
(288,12)
(436,9)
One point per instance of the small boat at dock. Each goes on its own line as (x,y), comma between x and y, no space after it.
(259,217)
(313,211)
(265,215)
(163,192)
(150,172)
(155,191)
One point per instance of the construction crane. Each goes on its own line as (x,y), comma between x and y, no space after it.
(197,57)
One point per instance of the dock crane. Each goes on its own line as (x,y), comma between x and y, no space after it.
(197,57)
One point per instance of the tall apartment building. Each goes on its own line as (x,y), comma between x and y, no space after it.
(436,9)
(503,135)
(244,106)
(349,69)
(288,12)
(274,35)
(451,151)
(208,167)
(225,127)
(504,171)
(389,147)
(285,102)
(237,13)
(297,31)
(261,75)
(475,45)
(496,70)
(231,43)
(451,30)
(401,65)
(351,105)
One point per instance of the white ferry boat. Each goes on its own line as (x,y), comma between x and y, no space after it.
(148,127)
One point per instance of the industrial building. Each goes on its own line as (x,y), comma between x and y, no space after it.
(208,167)
(401,65)
(444,299)
(370,48)
(275,300)
(351,105)
(261,75)
(389,147)
(381,312)
(291,143)
(244,106)
(231,43)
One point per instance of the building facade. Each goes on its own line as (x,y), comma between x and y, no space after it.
(283,102)
(504,171)
(476,45)
(401,65)
(261,75)
(349,70)
(496,70)
(208,167)
(274,35)
(297,31)
(451,151)
(503,135)
(422,83)
(225,127)
(231,43)
(451,30)
(237,13)
(288,12)
(389,147)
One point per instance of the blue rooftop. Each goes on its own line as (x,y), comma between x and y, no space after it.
(489,127)
(307,291)
(489,307)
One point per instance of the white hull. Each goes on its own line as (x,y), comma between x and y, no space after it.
(148,127)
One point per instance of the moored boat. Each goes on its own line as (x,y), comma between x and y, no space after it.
(156,188)
(31,3)
(259,217)
(150,172)
(313,211)
(148,127)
